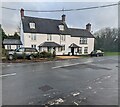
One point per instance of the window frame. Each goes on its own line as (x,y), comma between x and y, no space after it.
(33,37)
(83,40)
(32,25)
(79,50)
(85,48)
(8,46)
(61,27)
(63,38)
(49,37)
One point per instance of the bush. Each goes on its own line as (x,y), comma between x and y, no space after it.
(45,54)
(24,55)
(4,52)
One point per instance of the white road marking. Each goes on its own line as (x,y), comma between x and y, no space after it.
(5,75)
(70,65)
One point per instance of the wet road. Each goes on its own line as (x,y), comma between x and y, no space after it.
(85,81)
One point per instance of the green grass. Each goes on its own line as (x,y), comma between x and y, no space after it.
(111,53)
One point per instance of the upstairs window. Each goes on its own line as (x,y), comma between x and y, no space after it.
(49,37)
(83,40)
(61,27)
(32,25)
(63,37)
(33,37)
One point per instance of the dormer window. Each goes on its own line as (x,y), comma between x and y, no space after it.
(32,25)
(61,27)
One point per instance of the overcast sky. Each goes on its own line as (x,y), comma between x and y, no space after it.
(99,18)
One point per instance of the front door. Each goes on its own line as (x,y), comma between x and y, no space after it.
(72,51)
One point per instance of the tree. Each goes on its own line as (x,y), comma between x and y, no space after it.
(2,34)
(16,36)
(106,39)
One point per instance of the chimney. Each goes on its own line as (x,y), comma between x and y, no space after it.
(63,17)
(88,27)
(22,13)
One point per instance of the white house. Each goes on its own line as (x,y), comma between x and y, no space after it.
(51,34)
(11,44)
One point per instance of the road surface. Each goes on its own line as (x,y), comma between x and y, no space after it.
(84,81)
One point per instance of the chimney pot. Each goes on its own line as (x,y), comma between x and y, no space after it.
(63,17)
(22,13)
(88,27)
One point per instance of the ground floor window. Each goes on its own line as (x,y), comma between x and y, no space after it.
(61,48)
(85,49)
(49,49)
(17,46)
(40,49)
(79,50)
(33,46)
(8,46)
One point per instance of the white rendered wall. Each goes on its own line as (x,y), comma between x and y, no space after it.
(40,38)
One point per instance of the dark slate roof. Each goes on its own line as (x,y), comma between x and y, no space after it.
(42,25)
(50,26)
(49,44)
(12,42)
(73,45)
(80,33)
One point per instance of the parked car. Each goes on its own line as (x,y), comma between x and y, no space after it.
(97,53)
(23,52)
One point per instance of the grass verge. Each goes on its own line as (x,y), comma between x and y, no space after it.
(112,53)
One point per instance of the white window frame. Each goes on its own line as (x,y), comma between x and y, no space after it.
(59,49)
(63,37)
(85,50)
(83,40)
(61,27)
(79,50)
(32,25)
(49,37)
(33,36)
(8,46)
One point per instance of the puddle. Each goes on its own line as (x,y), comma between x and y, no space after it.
(45,88)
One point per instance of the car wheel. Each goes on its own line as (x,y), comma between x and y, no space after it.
(97,55)
(31,57)
(10,57)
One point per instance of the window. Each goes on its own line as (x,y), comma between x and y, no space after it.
(8,46)
(61,48)
(33,37)
(79,50)
(49,37)
(63,37)
(32,25)
(49,49)
(21,50)
(17,46)
(33,46)
(85,49)
(83,40)
(61,27)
